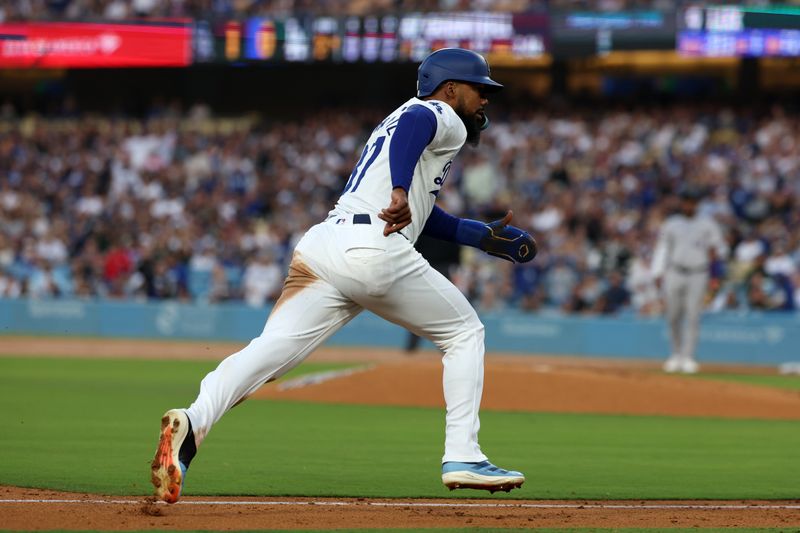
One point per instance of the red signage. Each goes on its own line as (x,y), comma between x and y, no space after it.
(68,45)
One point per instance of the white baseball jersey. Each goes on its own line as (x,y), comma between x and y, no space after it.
(345,264)
(370,185)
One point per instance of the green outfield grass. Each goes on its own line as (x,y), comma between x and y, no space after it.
(91,425)
(774,381)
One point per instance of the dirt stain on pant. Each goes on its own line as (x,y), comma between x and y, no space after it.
(300,276)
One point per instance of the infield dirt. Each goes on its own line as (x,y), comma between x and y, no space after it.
(95,512)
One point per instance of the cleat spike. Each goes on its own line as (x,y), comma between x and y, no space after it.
(481,476)
(166,469)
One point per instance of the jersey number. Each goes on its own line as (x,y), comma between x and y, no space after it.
(373,150)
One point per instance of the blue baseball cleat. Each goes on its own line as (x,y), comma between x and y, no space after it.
(176,449)
(483,476)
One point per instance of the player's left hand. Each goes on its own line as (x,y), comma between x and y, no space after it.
(398,215)
(508,242)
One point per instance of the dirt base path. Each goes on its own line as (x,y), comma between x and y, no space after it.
(42,510)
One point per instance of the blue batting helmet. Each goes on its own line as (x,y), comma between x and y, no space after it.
(453,64)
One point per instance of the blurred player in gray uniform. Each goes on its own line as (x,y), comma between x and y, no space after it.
(362,256)
(687,244)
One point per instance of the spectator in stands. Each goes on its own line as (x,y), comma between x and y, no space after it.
(480,181)
(263,279)
(561,281)
(760,293)
(117,265)
(585,295)
(769,292)
(51,248)
(615,296)
(6,251)
(527,286)
(220,289)
(42,282)
(10,287)
(747,252)
(641,283)
(168,278)
(779,261)
(201,268)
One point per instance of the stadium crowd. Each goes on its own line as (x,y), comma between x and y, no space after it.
(184,205)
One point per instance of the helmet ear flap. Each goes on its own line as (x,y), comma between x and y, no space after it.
(424,82)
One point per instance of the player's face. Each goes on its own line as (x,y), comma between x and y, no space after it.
(689,207)
(471,102)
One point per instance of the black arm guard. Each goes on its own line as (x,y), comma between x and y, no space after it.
(509,243)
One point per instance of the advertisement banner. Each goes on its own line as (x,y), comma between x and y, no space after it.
(89,45)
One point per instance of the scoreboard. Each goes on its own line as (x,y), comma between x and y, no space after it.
(386,39)
(589,33)
(745,31)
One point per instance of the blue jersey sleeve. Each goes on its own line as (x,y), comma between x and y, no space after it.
(415,130)
(442,225)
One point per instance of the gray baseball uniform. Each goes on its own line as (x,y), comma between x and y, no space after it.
(682,259)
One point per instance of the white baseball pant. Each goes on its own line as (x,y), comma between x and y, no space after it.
(338,269)
(684,293)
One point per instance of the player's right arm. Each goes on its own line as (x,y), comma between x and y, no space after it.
(398,214)
(661,252)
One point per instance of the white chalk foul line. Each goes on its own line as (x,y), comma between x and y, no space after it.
(710,507)
(321,377)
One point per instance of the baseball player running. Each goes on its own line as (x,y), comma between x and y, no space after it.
(362,257)
(687,243)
